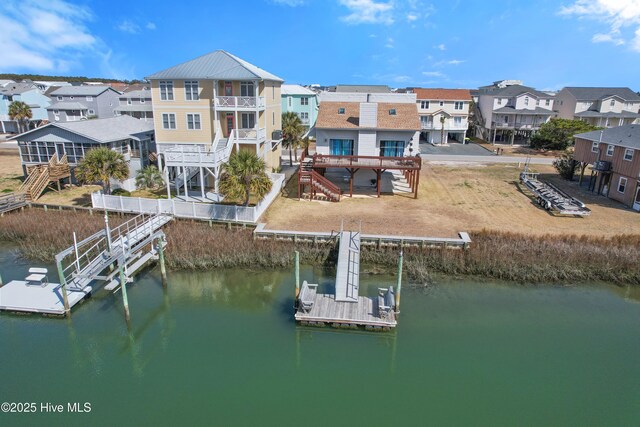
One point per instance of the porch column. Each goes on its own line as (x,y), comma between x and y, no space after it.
(417,183)
(216,175)
(166,179)
(201,182)
(378,175)
(184,182)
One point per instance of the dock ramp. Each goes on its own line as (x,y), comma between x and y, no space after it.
(348,274)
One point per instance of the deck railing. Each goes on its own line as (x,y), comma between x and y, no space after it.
(239,102)
(370,162)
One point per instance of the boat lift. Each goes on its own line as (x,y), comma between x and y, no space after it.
(550,197)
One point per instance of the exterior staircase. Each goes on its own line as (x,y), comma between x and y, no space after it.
(40,176)
(317,182)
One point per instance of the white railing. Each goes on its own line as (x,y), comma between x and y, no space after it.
(239,101)
(196,155)
(194,210)
(253,134)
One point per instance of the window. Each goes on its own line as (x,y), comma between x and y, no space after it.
(594,147)
(304,117)
(537,102)
(247,89)
(60,98)
(499,101)
(622,184)
(612,103)
(193,121)
(526,100)
(89,98)
(341,147)
(457,121)
(442,103)
(191,90)
(458,105)
(290,101)
(56,112)
(168,121)
(392,112)
(547,102)
(610,150)
(129,101)
(391,148)
(340,110)
(424,105)
(628,154)
(92,112)
(247,121)
(304,100)
(166,90)
(506,119)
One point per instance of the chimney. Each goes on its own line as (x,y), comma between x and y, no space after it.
(368,114)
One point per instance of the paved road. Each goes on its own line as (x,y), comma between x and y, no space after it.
(485,159)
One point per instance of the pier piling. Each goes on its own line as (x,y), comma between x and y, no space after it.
(63,288)
(399,283)
(123,287)
(163,269)
(297,262)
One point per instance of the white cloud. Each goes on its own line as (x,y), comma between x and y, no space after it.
(455,61)
(389,43)
(150,26)
(441,46)
(128,26)
(368,12)
(41,35)
(292,3)
(433,74)
(412,17)
(619,15)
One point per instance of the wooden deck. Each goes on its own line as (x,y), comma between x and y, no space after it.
(326,310)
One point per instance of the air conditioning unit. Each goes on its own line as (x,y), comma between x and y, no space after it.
(276,135)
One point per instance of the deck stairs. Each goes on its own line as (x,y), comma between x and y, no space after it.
(40,176)
(317,182)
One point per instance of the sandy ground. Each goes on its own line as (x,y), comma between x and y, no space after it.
(454,198)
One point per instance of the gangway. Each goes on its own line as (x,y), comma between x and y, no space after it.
(550,197)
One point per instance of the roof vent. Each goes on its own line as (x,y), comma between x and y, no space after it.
(392,112)
(340,110)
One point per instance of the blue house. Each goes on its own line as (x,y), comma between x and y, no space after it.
(302,101)
(27,93)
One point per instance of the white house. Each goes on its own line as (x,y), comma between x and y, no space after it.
(444,114)
(599,106)
(367,124)
(509,112)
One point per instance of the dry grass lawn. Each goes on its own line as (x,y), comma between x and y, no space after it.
(451,199)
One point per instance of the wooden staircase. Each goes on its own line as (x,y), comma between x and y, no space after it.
(40,176)
(318,183)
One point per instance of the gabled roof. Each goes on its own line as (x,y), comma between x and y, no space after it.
(67,106)
(406,117)
(512,90)
(624,136)
(17,88)
(99,130)
(443,94)
(93,90)
(296,90)
(363,88)
(219,65)
(598,93)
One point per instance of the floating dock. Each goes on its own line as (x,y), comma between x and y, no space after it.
(345,308)
(46,298)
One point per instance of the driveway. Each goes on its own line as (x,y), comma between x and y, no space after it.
(455,149)
(473,153)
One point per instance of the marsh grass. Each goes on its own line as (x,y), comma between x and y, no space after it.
(196,245)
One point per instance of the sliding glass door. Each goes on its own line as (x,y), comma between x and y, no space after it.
(391,148)
(341,147)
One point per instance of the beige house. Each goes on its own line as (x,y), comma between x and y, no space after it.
(444,114)
(600,106)
(206,108)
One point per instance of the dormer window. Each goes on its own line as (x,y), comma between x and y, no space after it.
(613,103)
(340,110)
(392,112)
(499,101)
(526,100)
(59,98)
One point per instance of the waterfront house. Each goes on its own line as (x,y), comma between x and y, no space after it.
(205,108)
(302,101)
(443,112)
(614,156)
(599,106)
(24,92)
(72,103)
(65,143)
(136,103)
(509,112)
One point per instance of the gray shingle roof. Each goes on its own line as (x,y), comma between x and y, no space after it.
(596,93)
(513,90)
(17,88)
(93,90)
(218,65)
(363,88)
(624,136)
(100,130)
(67,106)
(137,94)
(591,113)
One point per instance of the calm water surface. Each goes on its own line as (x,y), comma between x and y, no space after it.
(220,348)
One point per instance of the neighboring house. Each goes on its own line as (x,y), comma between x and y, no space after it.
(206,107)
(4,82)
(72,103)
(136,104)
(364,124)
(44,85)
(124,134)
(443,112)
(24,92)
(302,101)
(599,106)
(614,156)
(509,112)
(362,89)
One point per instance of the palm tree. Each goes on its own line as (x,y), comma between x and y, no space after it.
(101,165)
(243,175)
(21,113)
(149,178)
(292,130)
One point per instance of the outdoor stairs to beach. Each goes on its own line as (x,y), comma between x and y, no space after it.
(41,175)
(318,183)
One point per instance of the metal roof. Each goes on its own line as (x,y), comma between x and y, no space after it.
(624,136)
(137,94)
(93,90)
(296,90)
(219,65)
(99,130)
(67,106)
(597,93)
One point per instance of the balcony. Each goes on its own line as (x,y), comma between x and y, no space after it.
(516,125)
(239,102)
(448,125)
(256,135)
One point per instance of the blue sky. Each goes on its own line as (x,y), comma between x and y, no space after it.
(465,43)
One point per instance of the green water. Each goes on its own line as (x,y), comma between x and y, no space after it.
(221,348)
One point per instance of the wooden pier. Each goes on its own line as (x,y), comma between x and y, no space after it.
(88,262)
(345,308)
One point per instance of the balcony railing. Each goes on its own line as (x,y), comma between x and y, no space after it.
(194,155)
(517,125)
(252,134)
(447,125)
(233,102)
